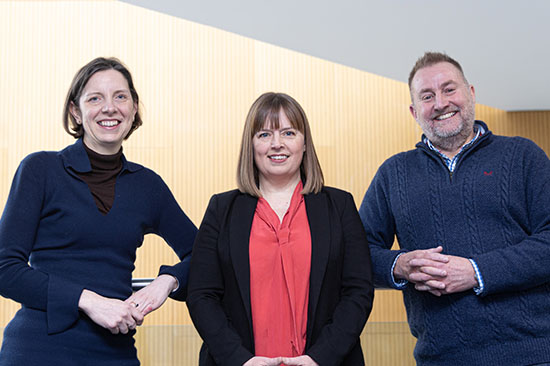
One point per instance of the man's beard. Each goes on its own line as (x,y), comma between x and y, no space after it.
(454,139)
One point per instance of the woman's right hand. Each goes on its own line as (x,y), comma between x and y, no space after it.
(112,314)
(263,361)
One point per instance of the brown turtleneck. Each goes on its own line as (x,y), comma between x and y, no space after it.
(101,180)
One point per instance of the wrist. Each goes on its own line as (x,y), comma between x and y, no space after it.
(398,273)
(85,300)
(170,281)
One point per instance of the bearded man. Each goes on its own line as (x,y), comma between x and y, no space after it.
(471,213)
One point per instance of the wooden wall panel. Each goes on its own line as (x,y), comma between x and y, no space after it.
(196,84)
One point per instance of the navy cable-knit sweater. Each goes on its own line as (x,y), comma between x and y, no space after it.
(52,221)
(495,209)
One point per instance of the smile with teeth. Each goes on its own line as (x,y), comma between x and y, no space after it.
(109,123)
(445,116)
(278,157)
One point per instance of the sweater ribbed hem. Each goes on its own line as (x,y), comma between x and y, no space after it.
(521,353)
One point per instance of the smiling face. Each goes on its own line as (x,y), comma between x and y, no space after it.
(278,152)
(106,111)
(443,104)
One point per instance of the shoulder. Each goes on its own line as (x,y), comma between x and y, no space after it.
(226,199)
(399,158)
(231,203)
(395,166)
(335,193)
(518,146)
(142,173)
(228,195)
(338,198)
(40,161)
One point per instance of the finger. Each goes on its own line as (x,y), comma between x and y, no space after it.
(426,262)
(436,285)
(437,257)
(290,361)
(123,328)
(422,287)
(435,292)
(437,249)
(137,315)
(420,277)
(433,271)
(148,309)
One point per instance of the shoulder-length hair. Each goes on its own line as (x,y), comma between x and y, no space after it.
(267,110)
(79,82)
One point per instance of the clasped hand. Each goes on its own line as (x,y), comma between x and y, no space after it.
(437,273)
(122,316)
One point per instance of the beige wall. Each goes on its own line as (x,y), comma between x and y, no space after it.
(196,84)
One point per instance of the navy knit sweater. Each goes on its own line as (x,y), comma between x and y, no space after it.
(495,209)
(51,220)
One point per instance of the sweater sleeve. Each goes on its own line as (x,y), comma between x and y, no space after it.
(526,263)
(379,224)
(173,225)
(19,281)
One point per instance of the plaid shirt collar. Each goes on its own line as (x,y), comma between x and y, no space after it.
(451,163)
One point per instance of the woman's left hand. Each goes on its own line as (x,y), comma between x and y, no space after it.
(300,361)
(152,296)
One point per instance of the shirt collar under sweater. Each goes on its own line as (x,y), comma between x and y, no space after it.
(75,157)
(451,162)
(482,133)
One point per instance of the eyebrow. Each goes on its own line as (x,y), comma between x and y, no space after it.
(115,92)
(280,129)
(445,84)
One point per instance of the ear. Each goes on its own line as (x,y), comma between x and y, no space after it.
(413,110)
(135,111)
(75,112)
(473,93)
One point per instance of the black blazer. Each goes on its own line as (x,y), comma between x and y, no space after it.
(340,290)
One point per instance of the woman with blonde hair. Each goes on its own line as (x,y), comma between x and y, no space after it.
(280,271)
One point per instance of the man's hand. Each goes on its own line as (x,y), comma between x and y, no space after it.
(460,275)
(432,271)
(424,268)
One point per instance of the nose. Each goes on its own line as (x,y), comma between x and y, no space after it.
(441,102)
(108,107)
(276,141)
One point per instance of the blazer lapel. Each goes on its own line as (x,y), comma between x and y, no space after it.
(319,225)
(240,225)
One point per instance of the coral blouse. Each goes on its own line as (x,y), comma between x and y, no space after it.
(280,262)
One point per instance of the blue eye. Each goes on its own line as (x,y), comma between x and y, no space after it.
(263,134)
(93,99)
(426,97)
(289,133)
(121,97)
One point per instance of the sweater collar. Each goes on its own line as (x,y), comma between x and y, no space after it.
(486,135)
(75,157)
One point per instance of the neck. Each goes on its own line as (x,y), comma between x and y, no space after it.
(104,149)
(278,194)
(271,187)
